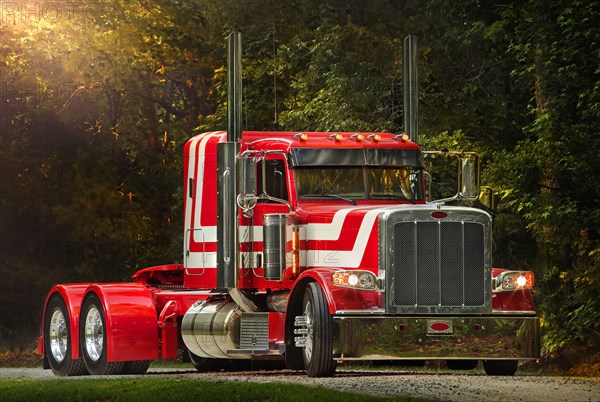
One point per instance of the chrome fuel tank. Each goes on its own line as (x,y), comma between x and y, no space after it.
(212,328)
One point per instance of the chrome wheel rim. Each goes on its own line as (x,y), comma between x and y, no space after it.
(59,337)
(94,334)
(308,347)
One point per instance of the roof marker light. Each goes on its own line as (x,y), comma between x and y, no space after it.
(300,136)
(374,137)
(337,137)
(401,137)
(357,137)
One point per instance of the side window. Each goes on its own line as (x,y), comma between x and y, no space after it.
(276,183)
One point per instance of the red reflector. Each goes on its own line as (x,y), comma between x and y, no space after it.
(439,215)
(440,326)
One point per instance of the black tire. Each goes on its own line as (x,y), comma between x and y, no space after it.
(57,340)
(136,367)
(461,364)
(267,365)
(318,351)
(202,364)
(92,339)
(500,367)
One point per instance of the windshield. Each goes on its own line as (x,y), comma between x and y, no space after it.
(359,182)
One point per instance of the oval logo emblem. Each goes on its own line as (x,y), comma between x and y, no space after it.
(440,326)
(439,214)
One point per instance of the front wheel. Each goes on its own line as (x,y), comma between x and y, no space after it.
(500,367)
(318,349)
(92,338)
(57,339)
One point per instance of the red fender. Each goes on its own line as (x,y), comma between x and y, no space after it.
(518,300)
(131,321)
(171,274)
(339,298)
(72,295)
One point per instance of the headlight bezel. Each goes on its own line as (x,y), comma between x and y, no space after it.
(357,279)
(510,281)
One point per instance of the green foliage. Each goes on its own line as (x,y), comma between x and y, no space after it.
(551,181)
(341,88)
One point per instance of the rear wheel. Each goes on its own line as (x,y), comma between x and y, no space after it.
(461,364)
(318,349)
(500,367)
(57,339)
(92,338)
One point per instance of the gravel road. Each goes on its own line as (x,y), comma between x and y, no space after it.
(439,386)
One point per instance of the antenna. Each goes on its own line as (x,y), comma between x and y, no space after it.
(274,75)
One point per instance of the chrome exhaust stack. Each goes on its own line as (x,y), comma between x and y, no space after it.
(228,245)
(234,87)
(410,88)
(227,212)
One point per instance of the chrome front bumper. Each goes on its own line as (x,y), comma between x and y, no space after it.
(386,338)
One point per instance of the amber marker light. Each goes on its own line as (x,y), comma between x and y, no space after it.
(337,137)
(340,279)
(295,252)
(357,137)
(300,137)
(374,137)
(402,137)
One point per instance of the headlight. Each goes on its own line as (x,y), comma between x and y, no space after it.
(514,280)
(362,280)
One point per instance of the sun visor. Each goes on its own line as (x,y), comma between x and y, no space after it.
(355,157)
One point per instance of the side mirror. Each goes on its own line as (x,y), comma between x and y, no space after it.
(456,175)
(469,187)
(247,183)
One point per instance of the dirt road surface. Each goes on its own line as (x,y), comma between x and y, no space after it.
(439,386)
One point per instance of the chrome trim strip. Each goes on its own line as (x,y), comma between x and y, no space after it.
(514,312)
(381,312)
(360,312)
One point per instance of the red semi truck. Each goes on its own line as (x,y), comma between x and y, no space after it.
(311,248)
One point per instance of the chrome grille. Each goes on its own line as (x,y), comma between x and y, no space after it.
(436,266)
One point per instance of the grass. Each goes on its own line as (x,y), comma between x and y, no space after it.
(151,389)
